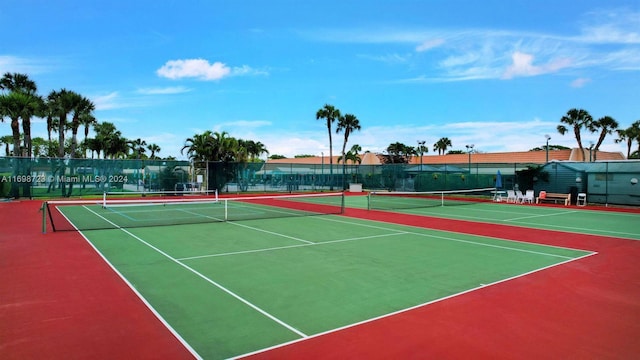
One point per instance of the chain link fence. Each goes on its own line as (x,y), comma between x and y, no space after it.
(603,182)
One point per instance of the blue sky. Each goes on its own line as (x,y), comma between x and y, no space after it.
(496,74)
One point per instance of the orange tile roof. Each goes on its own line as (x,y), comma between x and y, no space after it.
(529,157)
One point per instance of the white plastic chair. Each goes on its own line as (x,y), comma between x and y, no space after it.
(529,196)
(519,197)
(582,199)
(511,196)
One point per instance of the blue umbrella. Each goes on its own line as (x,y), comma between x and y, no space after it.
(498,180)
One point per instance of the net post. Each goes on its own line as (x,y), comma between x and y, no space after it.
(104,200)
(342,203)
(226,217)
(442,198)
(44,217)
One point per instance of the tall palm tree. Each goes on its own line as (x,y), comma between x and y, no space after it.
(154,148)
(34,106)
(330,114)
(629,135)
(347,123)
(11,106)
(576,119)
(61,103)
(88,120)
(52,124)
(442,145)
(606,125)
(18,82)
(138,146)
(82,111)
(20,103)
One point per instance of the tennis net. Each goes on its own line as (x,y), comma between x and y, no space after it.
(126,213)
(408,200)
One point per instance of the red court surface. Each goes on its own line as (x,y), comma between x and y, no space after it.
(60,300)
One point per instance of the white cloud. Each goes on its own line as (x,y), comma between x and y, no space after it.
(164,90)
(107,102)
(429,44)
(240,125)
(580,82)
(203,70)
(389,58)
(605,41)
(522,65)
(9,63)
(619,26)
(194,68)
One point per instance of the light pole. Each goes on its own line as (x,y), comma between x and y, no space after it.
(547,146)
(322,170)
(469,150)
(590,150)
(420,149)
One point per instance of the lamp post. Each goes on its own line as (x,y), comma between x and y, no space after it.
(420,149)
(322,170)
(469,150)
(547,146)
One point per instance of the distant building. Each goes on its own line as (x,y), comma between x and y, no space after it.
(527,157)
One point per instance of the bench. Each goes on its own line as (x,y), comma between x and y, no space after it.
(555,197)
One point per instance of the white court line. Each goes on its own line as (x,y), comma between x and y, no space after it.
(290,246)
(525,225)
(540,215)
(219,286)
(468,241)
(135,291)
(482,286)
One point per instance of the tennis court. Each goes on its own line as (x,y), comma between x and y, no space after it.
(569,219)
(229,288)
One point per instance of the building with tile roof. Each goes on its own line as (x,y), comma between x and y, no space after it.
(527,157)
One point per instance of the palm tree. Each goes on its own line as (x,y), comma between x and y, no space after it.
(606,125)
(21,102)
(348,124)
(138,147)
(223,147)
(576,119)
(7,140)
(629,135)
(442,145)
(353,155)
(199,147)
(88,120)
(52,124)
(18,83)
(61,103)
(10,106)
(330,114)
(254,149)
(154,148)
(399,153)
(82,109)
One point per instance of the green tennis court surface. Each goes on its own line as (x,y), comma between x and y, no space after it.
(236,287)
(570,219)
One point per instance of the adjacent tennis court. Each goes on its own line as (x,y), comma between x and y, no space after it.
(228,288)
(570,219)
